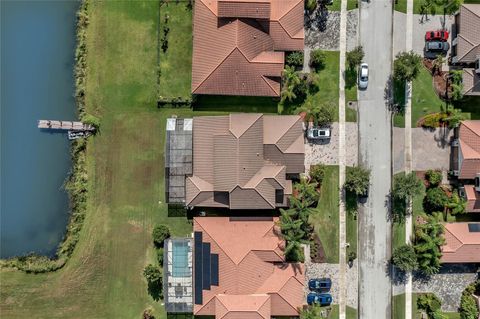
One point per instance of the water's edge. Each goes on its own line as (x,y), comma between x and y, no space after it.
(77,182)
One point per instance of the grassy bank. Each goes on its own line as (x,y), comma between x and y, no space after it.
(325,216)
(103,278)
(398,307)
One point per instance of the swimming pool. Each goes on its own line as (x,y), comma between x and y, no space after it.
(180,265)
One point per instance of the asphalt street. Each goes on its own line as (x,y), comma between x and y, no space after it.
(375,153)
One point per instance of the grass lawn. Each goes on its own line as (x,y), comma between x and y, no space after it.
(176,61)
(416,314)
(103,278)
(335,6)
(398,233)
(236,103)
(400,5)
(352,223)
(351,313)
(424,99)
(325,216)
(398,307)
(328,88)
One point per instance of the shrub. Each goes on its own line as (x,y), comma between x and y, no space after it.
(404,258)
(153,275)
(405,186)
(435,200)
(468,305)
(300,89)
(357,180)
(355,57)
(317,173)
(295,59)
(430,303)
(91,120)
(159,234)
(428,240)
(433,177)
(311,5)
(148,313)
(317,59)
(160,256)
(325,115)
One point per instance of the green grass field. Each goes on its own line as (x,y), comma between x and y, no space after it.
(176,61)
(398,307)
(335,6)
(103,278)
(325,216)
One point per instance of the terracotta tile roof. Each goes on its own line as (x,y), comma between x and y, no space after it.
(254,280)
(461,244)
(469,140)
(471,82)
(468,39)
(473,199)
(236,44)
(239,170)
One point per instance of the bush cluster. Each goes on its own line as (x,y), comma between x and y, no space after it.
(159,234)
(318,59)
(295,59)
(468,304)
(175,102)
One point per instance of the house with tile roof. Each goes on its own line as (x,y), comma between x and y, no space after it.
(239,45)
(240,271)
(244,161)
(466,46)
(466,161)
(462,243)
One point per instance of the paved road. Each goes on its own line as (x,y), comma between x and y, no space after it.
(375,153)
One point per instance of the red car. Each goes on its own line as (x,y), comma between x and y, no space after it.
(440,35)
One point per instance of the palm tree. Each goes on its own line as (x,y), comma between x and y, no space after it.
(438,63)
(288,221)
(290,81)
(454,117)
(294,240)
(428,240)
(306,191)
(311,111)
(456,204)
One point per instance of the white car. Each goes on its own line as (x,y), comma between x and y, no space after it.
(363,76)
(318,133)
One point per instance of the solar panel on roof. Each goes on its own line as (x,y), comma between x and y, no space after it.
(214,269)
(474,227)
(198,268)
(206,266)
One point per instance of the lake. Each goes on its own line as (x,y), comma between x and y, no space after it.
(37,56)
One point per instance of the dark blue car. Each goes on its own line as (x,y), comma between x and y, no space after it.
(319,299)
(320,284)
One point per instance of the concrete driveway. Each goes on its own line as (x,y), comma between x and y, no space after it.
(326,152)
(420,26)
(374,239)
(430,148)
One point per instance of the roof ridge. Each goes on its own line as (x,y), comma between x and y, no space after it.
(467,7)
(286,12)
(286,131)
(264,79)
(278,293)
(210,74)
(295,278)
(451,233)
(219,246)
(280,22)
(268,299)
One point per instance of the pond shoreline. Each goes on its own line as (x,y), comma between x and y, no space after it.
(76,184)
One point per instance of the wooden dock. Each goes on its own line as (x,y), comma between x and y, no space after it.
(64,125)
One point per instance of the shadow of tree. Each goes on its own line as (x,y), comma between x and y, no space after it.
(155,290)
(350,78)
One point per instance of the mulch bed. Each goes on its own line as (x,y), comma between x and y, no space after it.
(439,79)
(317,253)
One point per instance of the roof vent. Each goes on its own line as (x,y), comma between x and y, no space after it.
(254,36)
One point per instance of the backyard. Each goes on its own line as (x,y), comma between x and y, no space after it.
(103,278)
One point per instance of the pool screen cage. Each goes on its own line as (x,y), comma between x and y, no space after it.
(177,275)
(178,158)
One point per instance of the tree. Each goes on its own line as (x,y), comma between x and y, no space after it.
(92,120)
(295,59)
(428,240)
(404,258)
(148,313)
(159,234)
(355,57)
(317,59)
(290,80)
(456,204)
(306,191)
(435,200)
(429,303)
(468,305)
(434,177)
(406,66)
(357,180)
(317,173)
(405,186)
(457,92)
(154,280)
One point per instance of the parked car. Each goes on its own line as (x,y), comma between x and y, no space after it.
(440,35)
(437,46)
(318,133)
(320,284)
(363,76)
(320,299)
